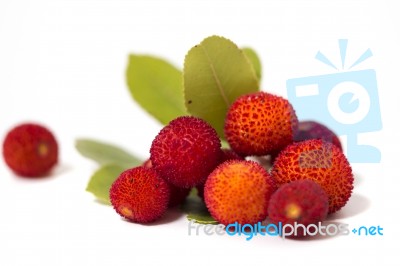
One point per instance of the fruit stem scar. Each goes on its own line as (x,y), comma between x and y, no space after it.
(127,212)
(293,211)
(43,149)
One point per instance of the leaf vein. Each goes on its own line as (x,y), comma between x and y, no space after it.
(217,80)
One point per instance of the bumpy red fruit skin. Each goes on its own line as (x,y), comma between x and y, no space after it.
(30,150)
(238,191)
(177,194)
(314,130)
(186,151)
(260,124)
(140,195)
(302,202)
(228,154)
(321,162)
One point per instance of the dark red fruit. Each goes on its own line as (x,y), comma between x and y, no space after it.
(314,130)
(228,154)
(302,202)
(177,195)
(186,151)
(30,150)
(140,195)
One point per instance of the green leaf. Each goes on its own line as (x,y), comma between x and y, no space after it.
(225,144)
(196,210)
(215,73)
(104,153)
(254,59)
(202,218)
(157,86)
(101,181)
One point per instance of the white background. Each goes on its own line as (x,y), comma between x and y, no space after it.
(62,64)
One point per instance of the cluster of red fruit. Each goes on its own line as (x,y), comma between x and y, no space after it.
(310,176)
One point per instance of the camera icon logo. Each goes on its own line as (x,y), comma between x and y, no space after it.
(347,102)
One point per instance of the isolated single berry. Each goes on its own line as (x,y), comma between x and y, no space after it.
(302,202)
(30,150)
(260,124)
(140,195)
(186,151)
(321,162)
(238,191)
(314,130)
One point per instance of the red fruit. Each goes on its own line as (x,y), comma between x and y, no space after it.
(228,154)
(30,150)
(177,194)
(186,151)
(302,202)
(260,124)
(238,191)
(321,162)
(140,195)
(314,130)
